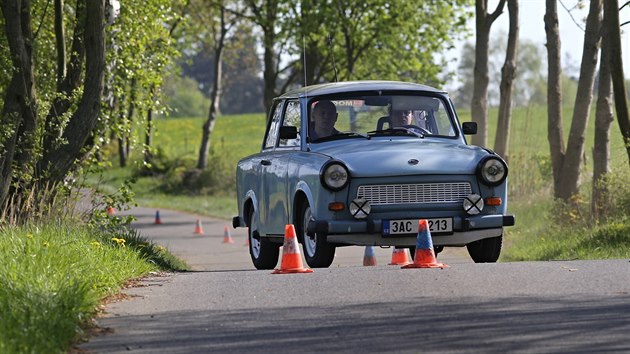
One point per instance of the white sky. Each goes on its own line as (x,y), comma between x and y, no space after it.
(532,27)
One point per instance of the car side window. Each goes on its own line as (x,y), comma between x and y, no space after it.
(292,118)
(274,127)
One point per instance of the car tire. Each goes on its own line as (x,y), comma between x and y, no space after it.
(317,251)
(486,250)
(263,252)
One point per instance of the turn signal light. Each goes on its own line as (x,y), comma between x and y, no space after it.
(336,206)
(492,201)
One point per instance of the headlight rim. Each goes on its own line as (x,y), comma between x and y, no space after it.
(481,175)
(322,175)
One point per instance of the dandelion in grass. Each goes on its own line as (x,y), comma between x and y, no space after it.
(119,241)
(46,244)
(95,244)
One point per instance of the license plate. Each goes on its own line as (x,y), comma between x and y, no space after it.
(410,226)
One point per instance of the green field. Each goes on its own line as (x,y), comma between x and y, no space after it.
(539,232)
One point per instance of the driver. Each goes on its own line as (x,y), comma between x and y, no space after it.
(400,118)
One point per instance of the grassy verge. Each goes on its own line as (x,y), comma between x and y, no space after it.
(52,277)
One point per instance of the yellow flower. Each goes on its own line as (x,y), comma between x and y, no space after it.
(119,241)
(95,244)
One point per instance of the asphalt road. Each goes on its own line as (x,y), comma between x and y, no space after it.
(227,306)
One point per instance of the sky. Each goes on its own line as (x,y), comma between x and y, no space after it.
(532,27)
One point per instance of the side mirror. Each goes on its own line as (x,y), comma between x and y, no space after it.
(288,132)
(469,128)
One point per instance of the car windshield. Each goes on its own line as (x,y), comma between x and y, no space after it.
(384,115)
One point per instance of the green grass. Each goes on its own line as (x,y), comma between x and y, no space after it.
(53,276)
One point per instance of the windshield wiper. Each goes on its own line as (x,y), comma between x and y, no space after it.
(397,131)
(344,134)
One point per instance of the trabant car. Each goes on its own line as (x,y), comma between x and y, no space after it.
(371,177)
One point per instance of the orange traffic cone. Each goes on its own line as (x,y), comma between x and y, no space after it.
(198,229)
(291,256)
(227,238)
(158,221)
(400,256)
(368,256)
(111,211)
(425,256)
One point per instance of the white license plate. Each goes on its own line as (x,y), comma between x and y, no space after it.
(410,226)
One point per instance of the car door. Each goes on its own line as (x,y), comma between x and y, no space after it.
(274,211)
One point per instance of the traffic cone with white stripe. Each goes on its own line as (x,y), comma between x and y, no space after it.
(424,256)
(291,256)
(227,238)
(198,228)
(400,256)
(369,259)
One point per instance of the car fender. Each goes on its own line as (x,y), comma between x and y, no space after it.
(304,188)
(250,195)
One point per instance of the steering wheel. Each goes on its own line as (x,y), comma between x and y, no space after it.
(416,129)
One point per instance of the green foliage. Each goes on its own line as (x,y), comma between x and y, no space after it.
(183,97)
(375,40)
(53,276)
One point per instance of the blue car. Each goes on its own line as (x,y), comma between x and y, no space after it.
(359,163)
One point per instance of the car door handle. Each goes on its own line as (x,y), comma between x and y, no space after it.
(265,162)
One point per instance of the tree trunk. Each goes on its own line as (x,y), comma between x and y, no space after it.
(603,120)
(508,73)
(122,152)
(616,69)
(555,134)
(570,172)
(270,73)
(60,42)
(19,113)
(208,126)
(70,82)
(479,103)
(148,133)
(59,160)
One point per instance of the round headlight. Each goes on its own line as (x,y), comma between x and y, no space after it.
(492,171)
(335,176)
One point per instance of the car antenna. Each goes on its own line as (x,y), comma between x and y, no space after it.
(332,52)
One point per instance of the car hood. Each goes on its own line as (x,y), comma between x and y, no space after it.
(373,158)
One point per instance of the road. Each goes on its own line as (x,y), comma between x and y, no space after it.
(224,305)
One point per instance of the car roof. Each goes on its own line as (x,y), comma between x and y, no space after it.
(357,86)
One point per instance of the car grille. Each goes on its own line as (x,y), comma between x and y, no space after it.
(384,194)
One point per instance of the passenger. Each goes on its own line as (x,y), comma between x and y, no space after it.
(324,119)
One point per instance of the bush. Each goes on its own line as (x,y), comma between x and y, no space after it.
(180,176)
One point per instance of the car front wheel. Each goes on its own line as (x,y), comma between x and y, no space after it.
(317,251)
(486,250)
(263,252)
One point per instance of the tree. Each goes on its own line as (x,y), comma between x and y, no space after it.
(567,163)
(555,134)
(139,54)
(508,73)
(52,122)
(603,121)
(611,14)
(20,120)
(479,103)
(219,27)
